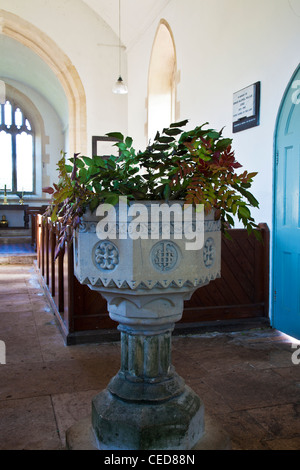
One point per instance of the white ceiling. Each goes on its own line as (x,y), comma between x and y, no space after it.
(136,16)
(32,72)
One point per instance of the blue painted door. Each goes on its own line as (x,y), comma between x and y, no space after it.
(286,251)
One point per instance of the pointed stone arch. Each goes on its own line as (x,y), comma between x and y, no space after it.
(29,35)
(162,79)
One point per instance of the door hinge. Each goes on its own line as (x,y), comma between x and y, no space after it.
(275,295)
(277,157)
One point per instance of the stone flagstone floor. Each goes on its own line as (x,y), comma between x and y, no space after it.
(247,380)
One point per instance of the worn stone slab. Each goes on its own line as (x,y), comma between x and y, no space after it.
(28,424)
(81,437)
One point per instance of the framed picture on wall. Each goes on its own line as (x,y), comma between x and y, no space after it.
(103,146)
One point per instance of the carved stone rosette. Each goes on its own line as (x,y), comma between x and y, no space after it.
(145,282)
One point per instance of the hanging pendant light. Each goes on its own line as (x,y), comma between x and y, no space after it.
(2,92)
(120,88)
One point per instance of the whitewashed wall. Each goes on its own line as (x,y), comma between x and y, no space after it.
(223,46)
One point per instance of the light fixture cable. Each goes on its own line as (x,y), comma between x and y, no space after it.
(120,87)
(120,38)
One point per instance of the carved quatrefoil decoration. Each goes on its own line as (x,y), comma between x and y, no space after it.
(164,256)
(209,252)
(106,256)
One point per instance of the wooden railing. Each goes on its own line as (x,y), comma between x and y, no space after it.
(241,294)
(32,212)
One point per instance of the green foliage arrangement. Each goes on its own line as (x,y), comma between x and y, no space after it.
(197,166)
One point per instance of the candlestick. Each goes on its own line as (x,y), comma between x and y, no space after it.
(21,201)
(5,197)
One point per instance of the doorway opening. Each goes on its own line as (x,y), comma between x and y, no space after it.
(286,240)
(161,81)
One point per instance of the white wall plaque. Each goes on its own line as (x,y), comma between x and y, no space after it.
(246,107)
(244,103)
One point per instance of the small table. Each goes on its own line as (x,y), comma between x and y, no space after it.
(16,207)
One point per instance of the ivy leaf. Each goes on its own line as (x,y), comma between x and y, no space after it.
(138,194)
(88,161)
(249,229)
(180,124)
(112,199)
(258,235)
(94,204)
(121,145)
(93,170)
(166,191)
(128,141)
(116,135)
(171,132)
(243,211)
(253,201)
(213,135)
(227,235)
(165,140)
(83,175)
(223,144)
(230,220)
(79,163)
(111,163)
(99,161)
(161,147)
(53,216)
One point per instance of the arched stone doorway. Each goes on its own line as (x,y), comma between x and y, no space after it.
(162,81)
(30,36)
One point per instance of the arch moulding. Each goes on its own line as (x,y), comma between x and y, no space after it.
(30,36)
(172,74)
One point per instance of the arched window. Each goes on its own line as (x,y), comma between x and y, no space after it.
(16,150)
(161,81)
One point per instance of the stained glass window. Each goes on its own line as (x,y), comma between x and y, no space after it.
(16,150)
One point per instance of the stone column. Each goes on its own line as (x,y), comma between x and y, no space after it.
(147,405)
(146,373)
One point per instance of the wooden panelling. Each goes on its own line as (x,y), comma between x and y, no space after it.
(243,289)
(242,292)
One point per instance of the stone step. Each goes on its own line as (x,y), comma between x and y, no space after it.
(14,240)
(6,232)
(21,235)
(17,259)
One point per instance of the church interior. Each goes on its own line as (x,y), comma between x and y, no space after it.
(74,71)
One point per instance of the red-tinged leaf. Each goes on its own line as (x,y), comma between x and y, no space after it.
(236,165)
(48,190)
(252,175)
